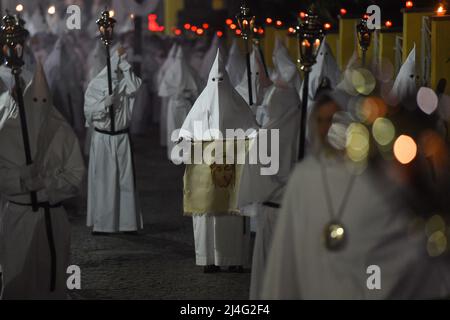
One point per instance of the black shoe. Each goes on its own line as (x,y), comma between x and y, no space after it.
(98,233)
(236,269)
(211,269)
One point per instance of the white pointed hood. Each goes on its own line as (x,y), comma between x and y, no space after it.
(179,78)
(286,71)
(37,96)
(236,64)
(170,57)
(404,89)
(210,56)
(219,107)
(325,67)
(260,81)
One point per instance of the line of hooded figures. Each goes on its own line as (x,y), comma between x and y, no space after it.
(371,191)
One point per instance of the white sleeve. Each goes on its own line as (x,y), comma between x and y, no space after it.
(8,108)
(94,106)
(132,82)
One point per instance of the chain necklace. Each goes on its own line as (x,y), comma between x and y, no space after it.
(334,233)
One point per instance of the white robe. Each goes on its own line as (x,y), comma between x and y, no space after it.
(24,248)
(379,233)
(112,197)
(221,240)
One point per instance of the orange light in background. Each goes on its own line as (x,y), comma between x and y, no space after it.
(291,30)
(302,15)
(365,16)
(194,28)
(238,32)
(219,34)
(229,21)
(388,24)
(269,20)
(187,26)
(343,11)
(279,23)
(177,32)
(409,4)
(205,26)
(233,26)
(153,25)
(405,149)
(200,31)
(327,26)
(441,10)
(261,31)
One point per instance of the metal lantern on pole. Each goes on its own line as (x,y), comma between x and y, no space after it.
(310,37)
(13,36)
(364,38)
(246,23)
(106,27)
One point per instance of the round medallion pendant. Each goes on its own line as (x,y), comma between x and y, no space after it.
(335,236)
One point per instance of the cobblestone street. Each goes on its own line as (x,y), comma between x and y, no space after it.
(159,263)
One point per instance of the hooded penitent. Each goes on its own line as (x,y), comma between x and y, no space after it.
(259,79)
(325,68)
(164,101)
(25,253)
(66,81)
(112,197)
(210,187)
(236,64)
(179,85)
(283,94)
(279,112)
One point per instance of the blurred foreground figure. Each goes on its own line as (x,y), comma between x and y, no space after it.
(35,246)
(112,197)
(222,236)
(347,231)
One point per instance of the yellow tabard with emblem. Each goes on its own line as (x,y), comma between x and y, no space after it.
(211,187)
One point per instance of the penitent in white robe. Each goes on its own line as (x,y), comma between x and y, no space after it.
(24,249)
(112,197)
(379,233)
(180,85)
(219,240)
(164,100)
